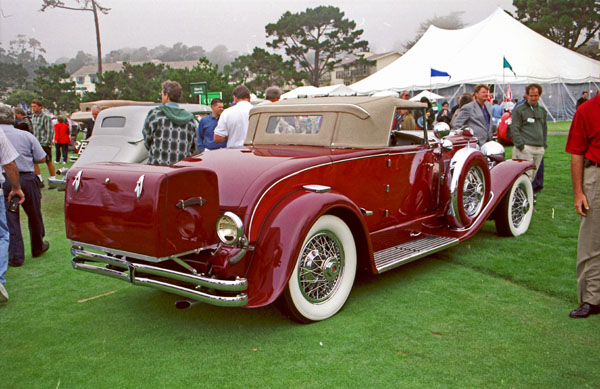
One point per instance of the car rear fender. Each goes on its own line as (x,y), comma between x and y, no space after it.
(282,233)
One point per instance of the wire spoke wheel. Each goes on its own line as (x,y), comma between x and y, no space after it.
(515,211)
(473,191)
(520,206)
(324,272)
(320,267)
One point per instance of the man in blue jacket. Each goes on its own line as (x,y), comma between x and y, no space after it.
(206,128)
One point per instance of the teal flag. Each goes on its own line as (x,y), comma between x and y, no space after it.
(507,65)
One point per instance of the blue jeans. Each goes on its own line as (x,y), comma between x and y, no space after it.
(3,242)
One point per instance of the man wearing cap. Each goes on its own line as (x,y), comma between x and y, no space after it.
(8,154)
(30,151)
(584,146)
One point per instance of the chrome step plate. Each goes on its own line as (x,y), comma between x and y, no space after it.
(402,254)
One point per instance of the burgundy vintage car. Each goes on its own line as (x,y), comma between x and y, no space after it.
(322,190)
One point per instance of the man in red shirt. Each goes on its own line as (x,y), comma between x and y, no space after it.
(584,146)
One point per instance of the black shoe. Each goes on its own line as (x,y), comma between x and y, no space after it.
(15,264)
(45,247)
(585,310)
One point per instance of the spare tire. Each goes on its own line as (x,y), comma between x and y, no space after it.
(469,187)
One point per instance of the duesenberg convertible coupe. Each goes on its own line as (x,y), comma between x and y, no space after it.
(323,189)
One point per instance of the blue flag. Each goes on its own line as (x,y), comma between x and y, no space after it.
(439,73)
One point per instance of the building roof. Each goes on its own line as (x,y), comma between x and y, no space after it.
(369,56)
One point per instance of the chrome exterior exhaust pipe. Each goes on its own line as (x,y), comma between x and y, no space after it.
(185,304)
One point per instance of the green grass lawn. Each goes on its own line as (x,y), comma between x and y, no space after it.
(491,312)
(559,126)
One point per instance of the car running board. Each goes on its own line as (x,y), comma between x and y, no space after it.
(407,252)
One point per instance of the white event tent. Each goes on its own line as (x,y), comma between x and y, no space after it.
(476,54)
(430,95)
(311,91)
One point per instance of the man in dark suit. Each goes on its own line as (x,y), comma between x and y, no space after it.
(90,123)
(477,115)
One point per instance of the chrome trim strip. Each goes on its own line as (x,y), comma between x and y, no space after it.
(314,106)
(143,257)
(317,188)
(315,167)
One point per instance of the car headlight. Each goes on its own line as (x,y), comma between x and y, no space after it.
(494,151)
(230,228)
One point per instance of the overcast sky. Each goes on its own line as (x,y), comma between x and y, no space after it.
(237,24)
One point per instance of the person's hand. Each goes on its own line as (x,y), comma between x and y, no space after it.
(19,193)
(581,204)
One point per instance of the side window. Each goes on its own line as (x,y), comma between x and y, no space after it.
(295,124)
(408,127)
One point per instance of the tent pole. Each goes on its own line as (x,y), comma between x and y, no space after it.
(503,85)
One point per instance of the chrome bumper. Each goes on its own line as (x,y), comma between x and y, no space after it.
(81,256)
(58,183)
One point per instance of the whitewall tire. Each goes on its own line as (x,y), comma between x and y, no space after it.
(324,273)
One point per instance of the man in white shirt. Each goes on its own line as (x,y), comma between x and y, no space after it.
(233,123)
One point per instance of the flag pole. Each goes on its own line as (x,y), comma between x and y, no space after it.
(430,79)
(503,85)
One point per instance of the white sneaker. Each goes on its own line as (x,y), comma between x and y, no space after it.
(3,294)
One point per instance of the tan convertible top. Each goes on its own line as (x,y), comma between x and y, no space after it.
(356,121)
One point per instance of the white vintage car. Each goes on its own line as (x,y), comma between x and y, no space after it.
(118,137)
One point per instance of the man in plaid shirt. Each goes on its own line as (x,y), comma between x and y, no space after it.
(44,132)
(169,131)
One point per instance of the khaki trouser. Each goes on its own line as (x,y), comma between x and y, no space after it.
(588,245)
(530,153)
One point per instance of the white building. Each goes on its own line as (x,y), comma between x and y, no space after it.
(350,70)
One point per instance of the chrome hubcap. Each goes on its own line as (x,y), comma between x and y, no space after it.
(473,191)
(320,267)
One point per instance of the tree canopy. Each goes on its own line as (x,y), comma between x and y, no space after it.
(316,39)
(27,52)
(261,69)
(571,23)
(452,21)
(53,90)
